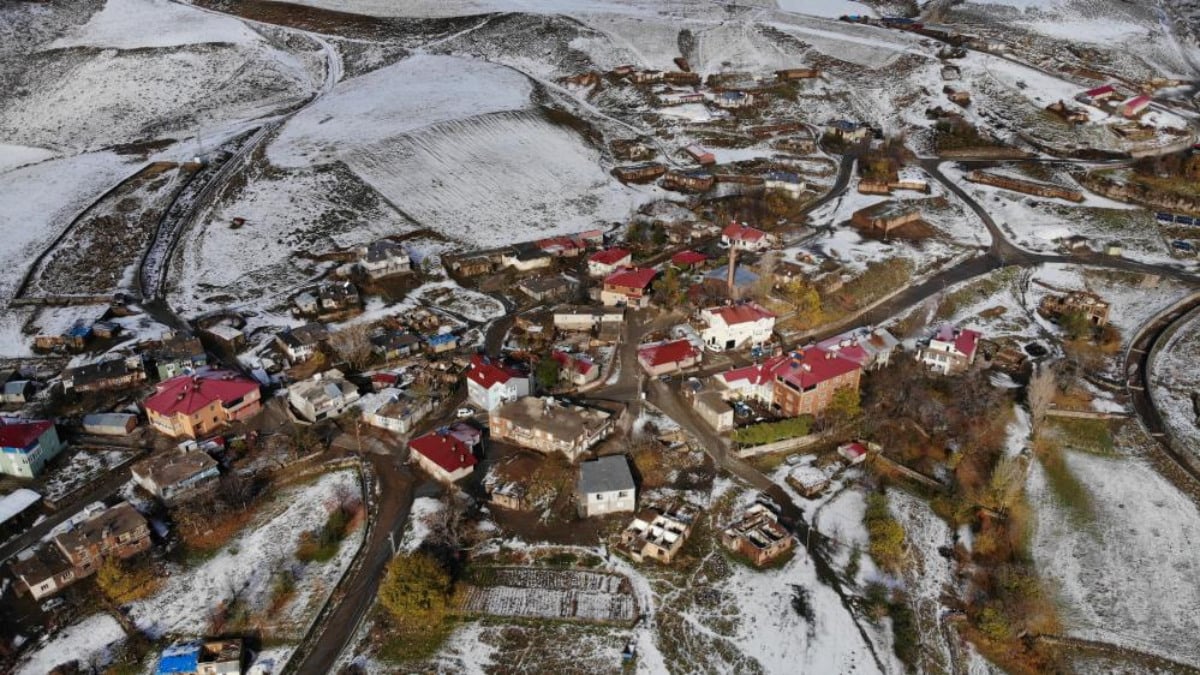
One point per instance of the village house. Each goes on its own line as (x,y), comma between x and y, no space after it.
(675,97)
(853,453)
(1086,303)
(745,238)
(662,358)
(119,531)
(1067,113)
(18,391)
(301,344)
(657,534)
(848,131)
(548,425)
(784,181)
(713,409)
(734,100)
(639,173)
(606,486)
(1025,186)
(491,384)
(788,74)
(587,318)
(443,456)
(384,258)
(213,657)
(800,383)
(441,343)
(526,257)
(604,263)
(562,247)
(26,446)
(196,405)
(682,78)
(114,373)
(473,267)
(957,96)
(736,326)
(548,288)
(322,396)
(109,424)
(225,337)
(393,410)
(337,296)
(17,512)
(576,369)
(950,350)
(631,149)
(629,287)
(869,348)
(688,260)
(1099,95)
(695,180)
(179,353)
(392,344)
(1135,106)
(646,76)
(808,480)
(951,72)
(758,536)
(699,154)
(885,216)
(177,475)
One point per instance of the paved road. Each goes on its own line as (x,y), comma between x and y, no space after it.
(396,489)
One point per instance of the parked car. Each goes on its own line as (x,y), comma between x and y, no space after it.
(52,604)
(465,412)
(793,460)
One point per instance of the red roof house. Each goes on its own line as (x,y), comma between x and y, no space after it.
(1101,93)
(855,453)
(666,357)
(745,237)
(443,456)
(603,263)
(688,259)
(628,287)
(561,246)
(194,405)
(1136,106)
(26,446)
(950,350)
(576,368)
(490,383)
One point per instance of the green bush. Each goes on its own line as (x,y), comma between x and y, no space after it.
(770,432)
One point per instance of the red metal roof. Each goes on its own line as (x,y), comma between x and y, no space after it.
(631,278)
(964,341)
(688,258)
(488,374)
(446,451)
(737,232)
(580,364)
(812,366)
(188,393)
(1100,91)
(755,374)
(22,433)
(746,313)
(666,352)
(609,256)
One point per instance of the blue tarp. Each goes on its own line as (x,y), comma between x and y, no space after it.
(176,659)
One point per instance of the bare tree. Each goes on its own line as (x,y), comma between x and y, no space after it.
(1040,393)
(353,345)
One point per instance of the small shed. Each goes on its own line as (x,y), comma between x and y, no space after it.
(110,424)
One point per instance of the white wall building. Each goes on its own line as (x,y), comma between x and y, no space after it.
(606,486)
(736,326)
(490,385)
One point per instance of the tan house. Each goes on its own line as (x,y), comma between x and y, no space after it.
(196,405)
(548,425)
(177,475)
(884,217)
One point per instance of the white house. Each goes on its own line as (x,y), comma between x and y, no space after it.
(384,258)
(746,238)
(490,385)
(322,396)
(736,326)
(604,263)
(784,181)
(606,486)
(300,344)
(393,410)
(869,348)
(950,350)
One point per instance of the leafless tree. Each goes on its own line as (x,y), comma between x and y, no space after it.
(353,345)
(1040,393)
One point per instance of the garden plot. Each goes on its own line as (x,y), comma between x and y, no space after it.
(540,593)
(1174,382)
(1130,576)
(244,570)
(88,641)
(80,470)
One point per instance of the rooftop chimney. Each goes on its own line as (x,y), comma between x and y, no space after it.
(732,268)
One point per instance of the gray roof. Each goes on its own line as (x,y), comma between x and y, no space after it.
(606,474)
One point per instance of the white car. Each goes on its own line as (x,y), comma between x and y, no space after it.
(465,412)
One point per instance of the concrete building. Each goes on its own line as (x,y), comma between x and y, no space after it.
(950,350)
(26,446)
(656,535)
(758,536)
(491,384)
(548,425)
(177,475)
(630,287)
(443,456)
(195,405)
(393,410)
(606,486)
(736,326)
(322,396)
(604,263)
(662,358)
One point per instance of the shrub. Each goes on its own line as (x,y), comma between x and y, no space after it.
(770,432)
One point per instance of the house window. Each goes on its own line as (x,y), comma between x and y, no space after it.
(599,497)
(623,494)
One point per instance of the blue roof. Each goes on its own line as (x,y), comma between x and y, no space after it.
(783,176)
(845,125)
(79,330)
(180,658)
(742,277)
(442,339)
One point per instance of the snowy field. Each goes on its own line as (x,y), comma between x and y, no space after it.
(244,568)
(160,23)
(89,641)
(1174,380)
(1131,576)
